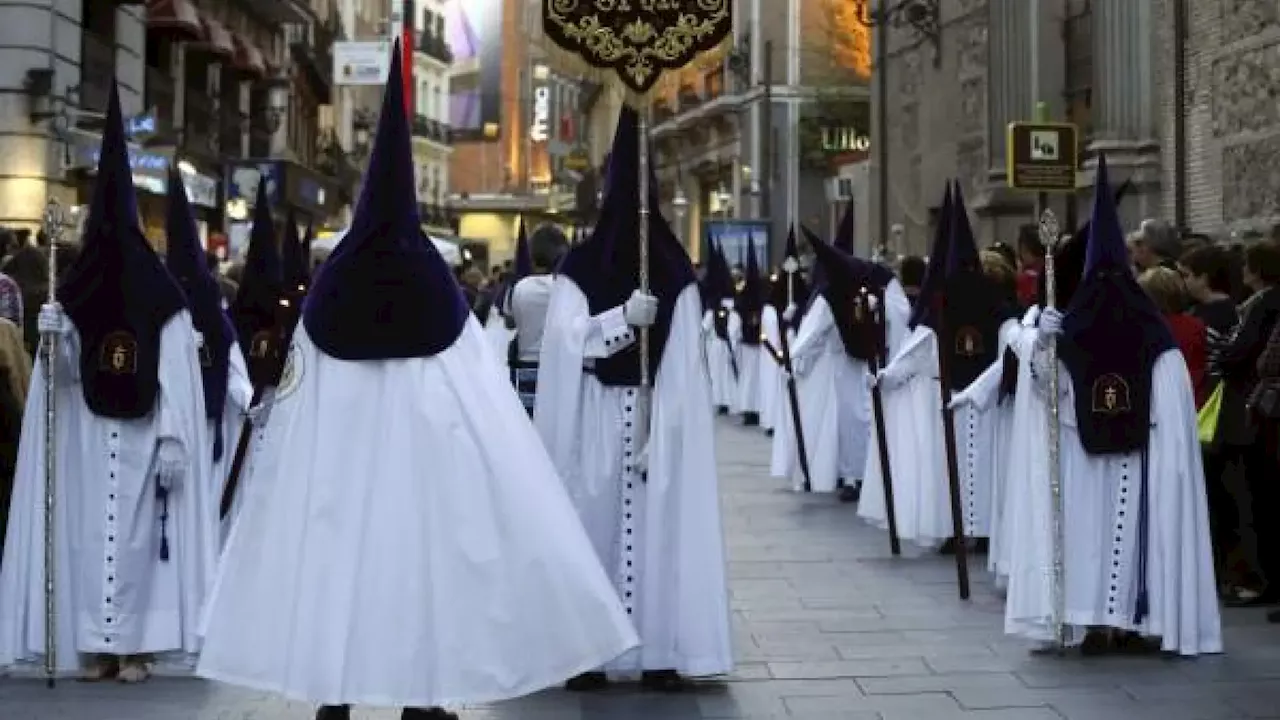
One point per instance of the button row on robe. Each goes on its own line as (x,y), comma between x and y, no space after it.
(109,546)
(625,579)
(1112,596)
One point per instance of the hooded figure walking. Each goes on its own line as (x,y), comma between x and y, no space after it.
(136,524)
(386,553)
(649,500)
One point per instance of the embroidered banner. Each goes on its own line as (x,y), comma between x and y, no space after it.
(638,40)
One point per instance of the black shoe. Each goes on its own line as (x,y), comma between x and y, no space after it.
(587,682)
(334,712)
(850,493)
(722,410)
(434,713)
(663,681)
(750,419)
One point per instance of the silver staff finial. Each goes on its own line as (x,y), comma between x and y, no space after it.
(1049,231)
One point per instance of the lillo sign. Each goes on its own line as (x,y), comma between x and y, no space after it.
(844,139)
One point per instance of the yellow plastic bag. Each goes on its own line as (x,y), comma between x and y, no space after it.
(1207,418)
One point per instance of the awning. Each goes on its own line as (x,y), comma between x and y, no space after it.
(249,59)
(179,17)
(216,39)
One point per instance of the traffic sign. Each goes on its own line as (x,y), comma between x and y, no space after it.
(1041,157)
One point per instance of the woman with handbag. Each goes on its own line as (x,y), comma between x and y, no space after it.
(1265,404)
(1239,433)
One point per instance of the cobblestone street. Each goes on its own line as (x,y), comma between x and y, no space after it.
(828,627)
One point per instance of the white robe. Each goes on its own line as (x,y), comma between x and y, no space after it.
(387,555)
(113,593)
(747,398)
(772,376)
(835,403)
(499,336)
(720,356)
(239,395)
(660,539)
(914,434)
(1009,441)
(1100,506)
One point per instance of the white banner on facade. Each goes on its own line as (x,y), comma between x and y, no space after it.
(364,62)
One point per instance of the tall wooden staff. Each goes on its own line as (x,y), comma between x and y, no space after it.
(1049,236)
(953,463)
(54,220)
(881,359)
(791,266)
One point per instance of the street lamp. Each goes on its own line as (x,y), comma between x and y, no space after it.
(681,205)
(923,16)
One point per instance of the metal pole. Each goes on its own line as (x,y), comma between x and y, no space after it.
(54,219)
(766,158)
(882,123)
(1049,235)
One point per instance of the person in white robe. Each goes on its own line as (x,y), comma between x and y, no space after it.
(979,323)
(838,338)
(722,359)
(527,306)
(1135,550)
(135,524)
(639,462)
(772,377)
(265,311)
(387,554)
(745,327)
(224,375)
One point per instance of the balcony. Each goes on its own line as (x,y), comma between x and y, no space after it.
(159,97)
(432,130)
(434,46)
(312,49)
(232,127)
(200,134)
(97,63)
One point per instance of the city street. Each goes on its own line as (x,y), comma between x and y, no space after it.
(828,627)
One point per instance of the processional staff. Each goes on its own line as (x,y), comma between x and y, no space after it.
(54,221)
(1049,236)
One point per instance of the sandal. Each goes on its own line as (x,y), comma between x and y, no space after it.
(104,667)
(133,671)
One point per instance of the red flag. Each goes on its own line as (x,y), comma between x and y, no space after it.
(408,34)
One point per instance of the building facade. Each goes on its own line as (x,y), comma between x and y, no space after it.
(432,138)
(1179,96)
(519,129)
(746,132)
(224,89)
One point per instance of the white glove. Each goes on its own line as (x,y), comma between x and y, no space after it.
(199,339)
(52,320)
(256,413)
(170,462)
(1050,322)
(803,364)
(790,313)
(889,380)
(872,380)
(641,460)
(640,310)
(873,302)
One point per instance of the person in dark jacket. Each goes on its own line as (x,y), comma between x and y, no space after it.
(1237,363)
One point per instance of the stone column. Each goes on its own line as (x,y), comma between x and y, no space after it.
(1124,107)
(1009,89)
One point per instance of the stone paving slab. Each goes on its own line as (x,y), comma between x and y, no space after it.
(828,626)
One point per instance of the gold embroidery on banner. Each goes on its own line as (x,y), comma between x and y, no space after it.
(1111,395)
(969,342)
(119,354)
(637,38)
